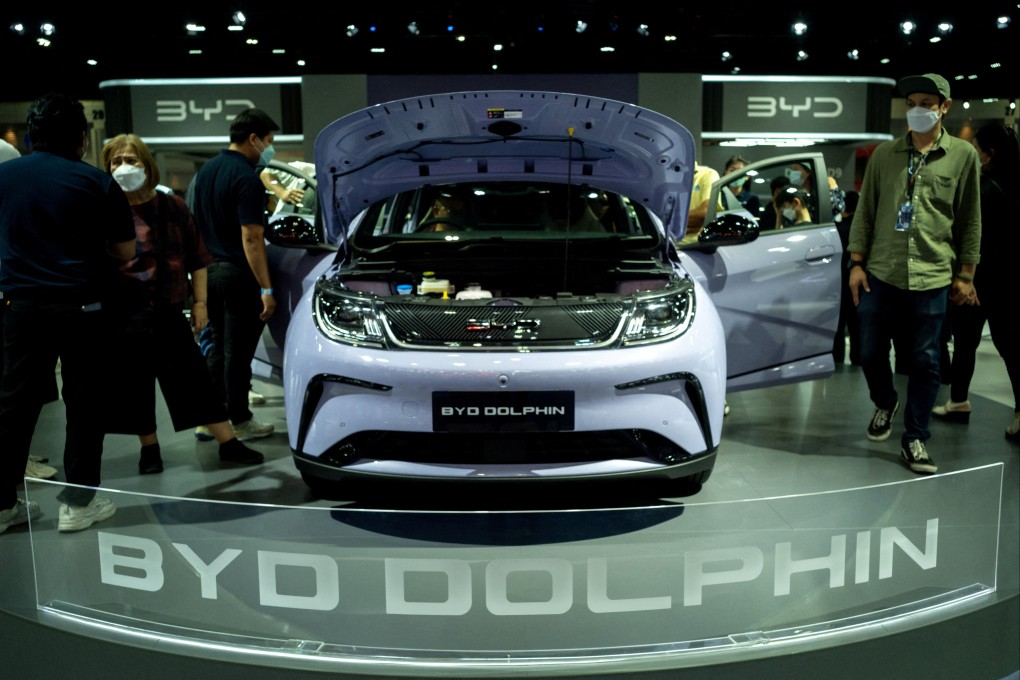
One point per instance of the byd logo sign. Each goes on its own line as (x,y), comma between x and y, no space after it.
(815,107)
(178,110)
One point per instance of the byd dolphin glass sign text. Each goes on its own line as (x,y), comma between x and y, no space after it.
(139,564)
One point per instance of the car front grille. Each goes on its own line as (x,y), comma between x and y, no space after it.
(500,325)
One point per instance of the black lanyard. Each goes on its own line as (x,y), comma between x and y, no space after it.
(913,172)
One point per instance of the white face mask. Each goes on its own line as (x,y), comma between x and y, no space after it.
(789,214)
(129,177)
(921,119)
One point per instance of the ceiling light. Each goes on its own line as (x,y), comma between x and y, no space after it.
(46,28)
(966,105)
(238,18)
(945,28)
(934,39)
(607,49)
(251,41)
(498,47)
(377,50)
(799,28)
(301,62)
(91,62)
(413,29)
(726,55)
(235,28)
(193,28)
(669,38)
(643,30)
(352,31)
(581,26)
(802,55)
(43,42)
(1002,21)
(908,27)
(18,28)
(853,55)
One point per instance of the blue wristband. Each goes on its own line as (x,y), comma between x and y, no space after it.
(267,291)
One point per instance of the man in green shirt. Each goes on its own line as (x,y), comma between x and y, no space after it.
(914,244)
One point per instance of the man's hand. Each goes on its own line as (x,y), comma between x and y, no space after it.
(268,306)
(858,280)
(963,293)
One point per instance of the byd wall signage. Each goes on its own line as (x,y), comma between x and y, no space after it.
(196,109)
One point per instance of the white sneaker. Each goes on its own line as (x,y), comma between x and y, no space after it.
(255,399)
(252,429)
(38,459)
(19,514)
(34,470)
(75,518)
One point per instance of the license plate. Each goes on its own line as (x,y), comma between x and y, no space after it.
(502,411)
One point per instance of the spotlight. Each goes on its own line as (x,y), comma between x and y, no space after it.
(18,28)
(908,27)
(581,26)
(1003,21)
(352,31)
(853,55)
(412,28)
(238,18)
(945,28)
(799,28)
(643,30)
(802,55)
(726,56)
(46,28)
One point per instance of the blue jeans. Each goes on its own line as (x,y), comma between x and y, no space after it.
(916,316)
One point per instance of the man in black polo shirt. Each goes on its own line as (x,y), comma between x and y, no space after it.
(229,202)
(64,227)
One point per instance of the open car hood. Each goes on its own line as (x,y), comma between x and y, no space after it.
(503,135)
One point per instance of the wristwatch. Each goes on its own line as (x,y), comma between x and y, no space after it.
(851,263)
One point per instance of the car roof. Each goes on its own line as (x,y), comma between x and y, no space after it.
(503,135)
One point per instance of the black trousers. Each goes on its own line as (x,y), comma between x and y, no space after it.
(162,349)
(234,308)
(36,334)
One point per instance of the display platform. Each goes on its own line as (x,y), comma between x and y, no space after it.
(810,551)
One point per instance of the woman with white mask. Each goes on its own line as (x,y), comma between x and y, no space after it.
(169,274)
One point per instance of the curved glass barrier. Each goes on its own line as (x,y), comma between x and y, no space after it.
(504,588)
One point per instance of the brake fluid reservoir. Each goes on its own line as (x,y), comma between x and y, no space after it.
(431,285)
(473,291)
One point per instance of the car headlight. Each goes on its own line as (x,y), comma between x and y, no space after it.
(660,318)
(347,317)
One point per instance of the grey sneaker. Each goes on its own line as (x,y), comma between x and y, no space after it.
(880,426)
(252,429)
(255,399)
(916,457)
(19,514)
(34,470)
(75,518)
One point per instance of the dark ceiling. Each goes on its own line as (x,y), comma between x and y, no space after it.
(146,40)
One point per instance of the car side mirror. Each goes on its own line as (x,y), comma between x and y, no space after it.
(729,229)
(293,231)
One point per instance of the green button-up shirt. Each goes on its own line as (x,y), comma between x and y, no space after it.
(946,227)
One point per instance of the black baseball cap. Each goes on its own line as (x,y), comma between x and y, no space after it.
(929,83)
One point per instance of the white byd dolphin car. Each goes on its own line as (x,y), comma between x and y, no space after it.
(492,290)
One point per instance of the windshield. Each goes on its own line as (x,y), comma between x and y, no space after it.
(504,210)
